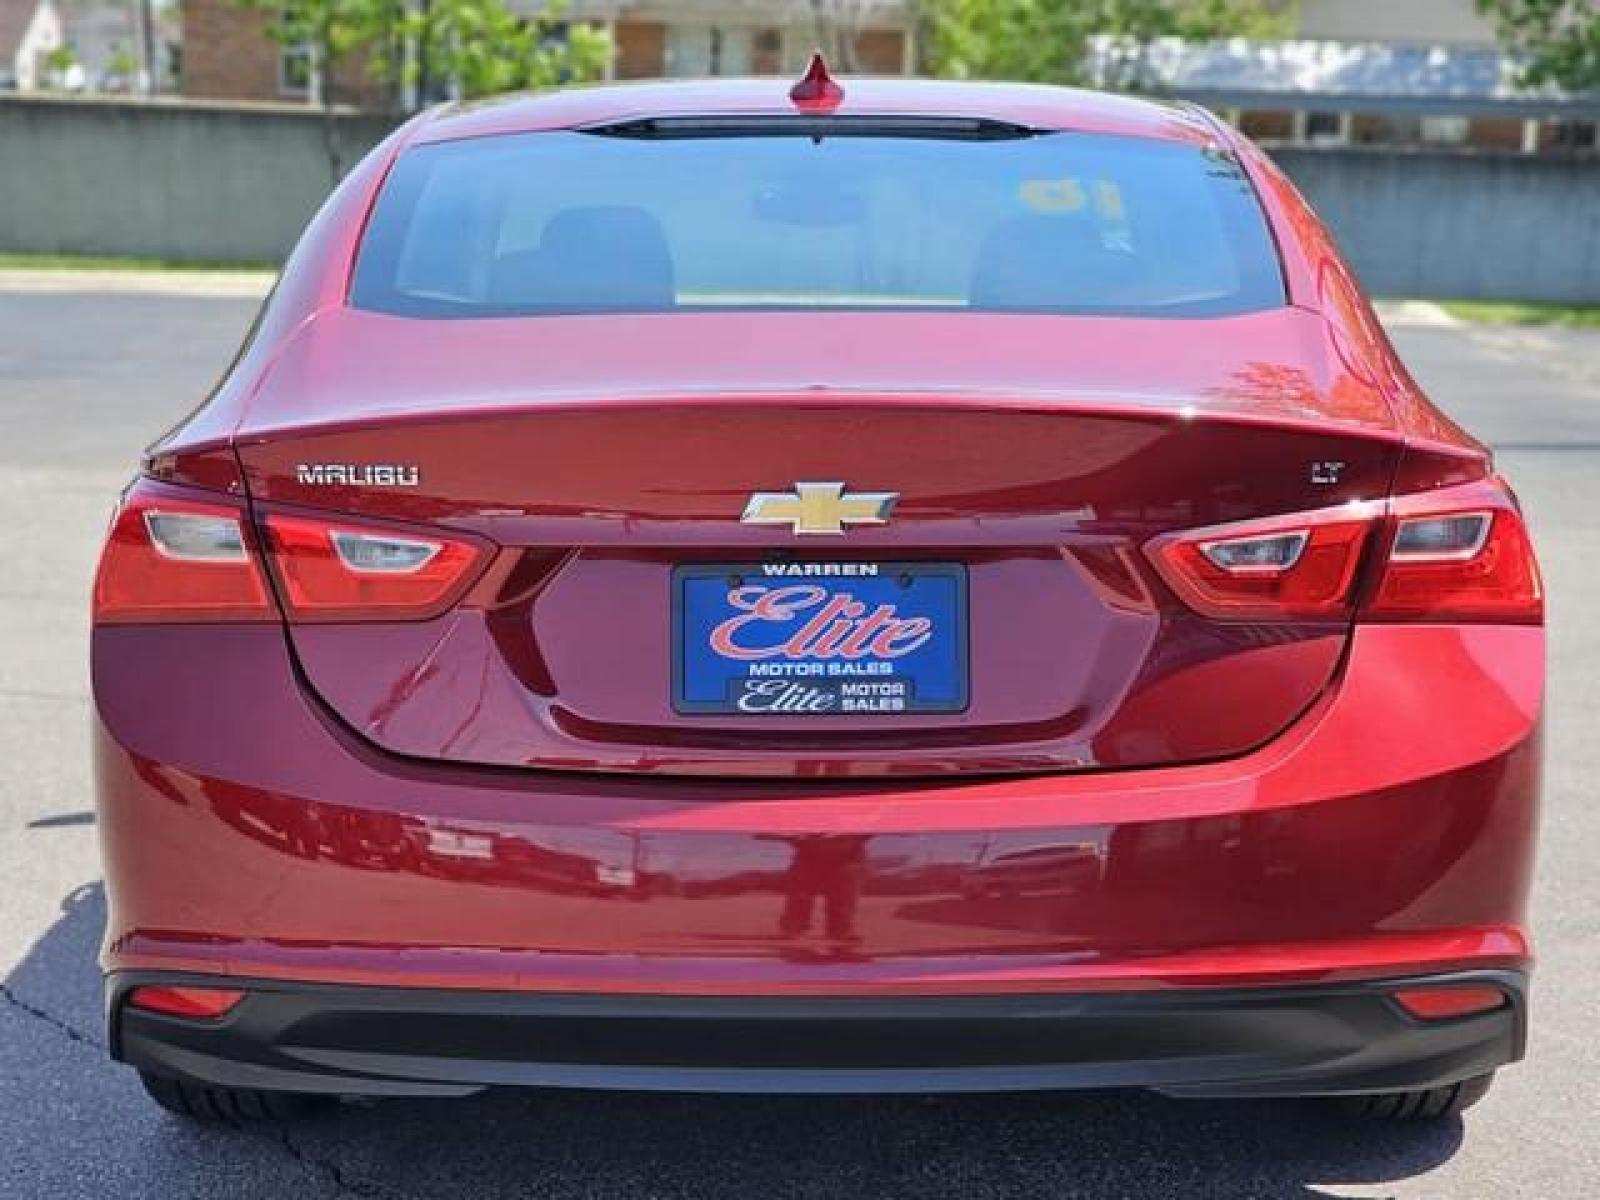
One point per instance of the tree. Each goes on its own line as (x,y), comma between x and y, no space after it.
(1559,39)
(482,47)
(477,46)
(1048,40)
(326,31)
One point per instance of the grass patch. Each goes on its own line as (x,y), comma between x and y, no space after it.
(1492,312)
(75,262)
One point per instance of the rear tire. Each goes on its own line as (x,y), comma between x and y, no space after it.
(229,1106)
(1428,1104)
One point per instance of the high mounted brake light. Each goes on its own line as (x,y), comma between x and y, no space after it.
(1457,554)
(816,90)
(177,554)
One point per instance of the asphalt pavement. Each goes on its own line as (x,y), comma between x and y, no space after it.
(92,368)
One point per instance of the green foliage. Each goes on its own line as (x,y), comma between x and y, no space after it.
(1560,39)
(60,60)
(123,65)
(486,48)
(1492,313)
(329,29)
(1046,40)
(482,46)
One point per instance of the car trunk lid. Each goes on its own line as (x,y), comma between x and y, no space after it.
(1029,460)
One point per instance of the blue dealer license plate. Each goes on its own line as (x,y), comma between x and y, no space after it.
(820,639)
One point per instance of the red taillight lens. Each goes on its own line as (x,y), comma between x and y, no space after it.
(174,555)
(1460,554)
(170,557)
(201,1003)
(1443,1003)
(1298,568)
(336,571)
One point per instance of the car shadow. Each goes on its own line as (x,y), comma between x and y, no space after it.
(555,1144)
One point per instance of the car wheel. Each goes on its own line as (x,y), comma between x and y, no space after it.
(228,1106)
(1428,1104)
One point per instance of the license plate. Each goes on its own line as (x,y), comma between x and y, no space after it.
(820,639)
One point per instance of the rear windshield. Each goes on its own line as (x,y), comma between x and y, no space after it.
(567,222)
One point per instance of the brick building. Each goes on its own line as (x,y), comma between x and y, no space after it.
(694,38)
(228,55)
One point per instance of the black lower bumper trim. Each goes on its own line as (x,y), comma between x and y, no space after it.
(1303,1040)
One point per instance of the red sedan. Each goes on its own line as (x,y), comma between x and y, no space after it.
(876,587)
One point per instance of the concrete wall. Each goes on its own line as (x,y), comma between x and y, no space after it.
(1484,226)
(238,184)
(190,182)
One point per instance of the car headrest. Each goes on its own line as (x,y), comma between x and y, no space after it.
(1049,262)
(597,256)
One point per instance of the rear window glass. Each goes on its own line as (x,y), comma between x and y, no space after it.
(566,222)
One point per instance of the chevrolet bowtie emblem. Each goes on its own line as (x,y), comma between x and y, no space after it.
(819,508)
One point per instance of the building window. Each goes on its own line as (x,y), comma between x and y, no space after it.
(1374,130)
(768,58)
(697,51)
(1444,131)
(297,66)
(1326,128)
(1577,135)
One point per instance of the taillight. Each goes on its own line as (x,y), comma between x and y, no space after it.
(1457,554)
(177,555)
(337,571)
(170,557)
(1300,568)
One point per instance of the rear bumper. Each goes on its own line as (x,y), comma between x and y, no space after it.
(1322,1040)
(246,834)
